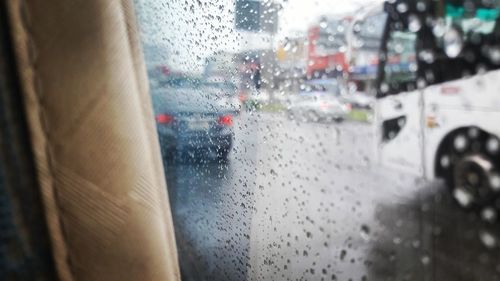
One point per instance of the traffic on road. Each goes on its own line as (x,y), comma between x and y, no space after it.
(327,140)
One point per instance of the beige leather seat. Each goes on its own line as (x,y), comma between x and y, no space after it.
(94,139)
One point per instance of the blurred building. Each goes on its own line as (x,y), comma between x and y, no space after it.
(257,16)
(327,46)
(292,61)
(292,55)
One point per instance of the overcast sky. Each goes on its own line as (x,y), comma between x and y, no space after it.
(298,14)
(194,31)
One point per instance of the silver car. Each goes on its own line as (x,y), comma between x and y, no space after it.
(317,104)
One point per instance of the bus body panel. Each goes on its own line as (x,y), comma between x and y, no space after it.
(470,102)
(462,118)
(404,151)
(464,101)
(478,93)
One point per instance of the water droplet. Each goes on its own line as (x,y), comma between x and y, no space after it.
(425,260)
(323,23)
(489,214)
(488,239)
(414,23)
(343,253)
(365,232)
(402,7)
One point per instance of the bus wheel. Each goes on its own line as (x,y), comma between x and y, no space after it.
(468,161)
(473,176)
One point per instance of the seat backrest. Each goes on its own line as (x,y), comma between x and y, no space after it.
(94,141)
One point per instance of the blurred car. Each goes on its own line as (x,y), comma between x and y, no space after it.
(317,102)
(359,100)
(195,117)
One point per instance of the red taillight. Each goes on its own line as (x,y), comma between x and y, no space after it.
(226,120)
(164,118)
(242,96)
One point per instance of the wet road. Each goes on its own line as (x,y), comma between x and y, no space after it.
(307,202)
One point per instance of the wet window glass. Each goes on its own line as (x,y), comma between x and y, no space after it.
(331,36)
(328,139)
(401,67)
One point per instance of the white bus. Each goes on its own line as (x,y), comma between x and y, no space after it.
(438,94)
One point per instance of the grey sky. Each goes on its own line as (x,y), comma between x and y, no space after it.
(299,14)
(191,32)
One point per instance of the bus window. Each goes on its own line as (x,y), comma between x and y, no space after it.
(479,28)
(464,43)
(400,69)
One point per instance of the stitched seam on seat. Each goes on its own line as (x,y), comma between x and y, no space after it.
(44,126)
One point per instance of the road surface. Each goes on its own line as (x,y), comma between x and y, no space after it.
(306,201)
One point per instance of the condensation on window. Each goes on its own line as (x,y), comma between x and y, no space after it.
(328,139)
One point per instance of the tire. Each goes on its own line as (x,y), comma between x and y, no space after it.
(338,119)
(471,178)
(469,170)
